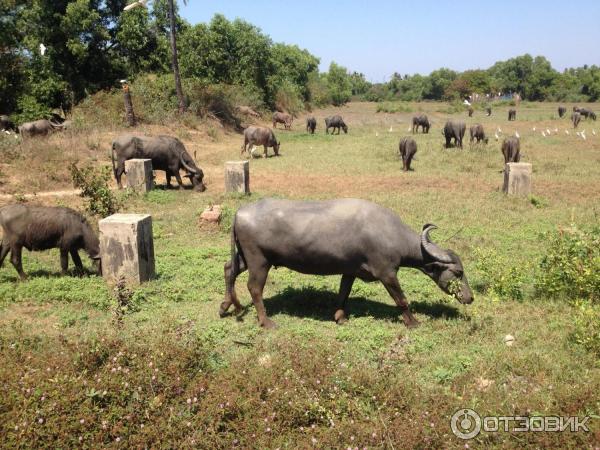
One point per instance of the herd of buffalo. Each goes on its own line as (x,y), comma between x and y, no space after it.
(352,238)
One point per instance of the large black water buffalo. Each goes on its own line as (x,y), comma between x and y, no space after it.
(477,134)
(575,118)
(512,114)
(511,149)
(420,121)
(260,136)
(41,127)
(407,149)
(284,118)
(167,153)
(587,113)
(335,122)
(41,228)
(7,125)
(348,237)
(562,111)
(311,125)
(454,130)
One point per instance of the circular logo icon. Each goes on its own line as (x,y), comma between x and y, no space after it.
(465,424)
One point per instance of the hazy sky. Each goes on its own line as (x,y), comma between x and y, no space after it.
(379,38)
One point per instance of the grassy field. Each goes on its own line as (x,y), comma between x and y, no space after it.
(163,370)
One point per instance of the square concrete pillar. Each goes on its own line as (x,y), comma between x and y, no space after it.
(127,248)
(139,174)
(517,179)
(237,176)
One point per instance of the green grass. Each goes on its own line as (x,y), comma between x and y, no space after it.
(310,383)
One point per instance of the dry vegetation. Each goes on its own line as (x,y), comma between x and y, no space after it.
(166,371)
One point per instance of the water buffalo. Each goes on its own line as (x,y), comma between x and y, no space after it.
(512,114)
(511,149)
(488,111)
(407,148)
(260,136)
(335,122)
(247,111)
(349,237)
(576,109)
(284,118)
(477,134)
(311,125)
(41,127)
(587,113)
(43,227)
(420,121)
(7,125)
(471,111)
(167,153)
(575,118)
(454,130)
(561,111)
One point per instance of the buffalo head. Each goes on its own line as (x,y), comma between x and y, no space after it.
(345,128)
(445,268)
(194,173)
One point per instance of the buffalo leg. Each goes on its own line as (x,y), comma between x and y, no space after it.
(266,153)
(168,175)
(4,249)
(345,288)
(16,260)
(76,260)
(393,288)
(179,180)
(64,261)
(256,283)
(119,173)
(230,294)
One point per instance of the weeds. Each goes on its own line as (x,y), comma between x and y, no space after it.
(93,182)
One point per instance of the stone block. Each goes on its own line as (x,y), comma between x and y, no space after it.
(237,176)
(211,214)
(127,248)
(517,179)
(139,174)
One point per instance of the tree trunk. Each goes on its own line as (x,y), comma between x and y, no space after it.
(174,53)
(128,105)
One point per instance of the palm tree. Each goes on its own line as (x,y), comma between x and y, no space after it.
(175,63)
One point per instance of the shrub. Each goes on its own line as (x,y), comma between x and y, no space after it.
(93,182)
(571,266)
(288,98)
(394,107)
(498,277)
(587,327)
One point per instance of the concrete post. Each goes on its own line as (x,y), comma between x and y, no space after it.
(127,248)
(237,176)
(517,179)
(139,174)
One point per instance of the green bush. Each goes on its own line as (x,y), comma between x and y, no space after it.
(394,107)
(498,277)
(93,182)
(587,327)
(571,266)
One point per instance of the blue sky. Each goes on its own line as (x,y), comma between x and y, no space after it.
(379,38)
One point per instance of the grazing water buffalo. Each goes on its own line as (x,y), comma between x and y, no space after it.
(471,111)
(576,109)
(348,237)
(512,114)
(7,125)
(260,136)
(454,130)
(561,111)
(420,121)
(41,127)
(477,134)
(335,122)
(167,153)
(43,227)
(247,111)
(587,113)
(575,118)
(488,111)
(408,148)
(511,149)
(311,125)
(284,118)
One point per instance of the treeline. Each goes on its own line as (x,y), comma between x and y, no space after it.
(533,78)
(55,53)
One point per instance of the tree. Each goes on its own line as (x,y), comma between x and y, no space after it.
(175,62)
(338,83)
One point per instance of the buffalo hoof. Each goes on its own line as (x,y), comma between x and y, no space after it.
(223,309)
(340,317)
(268,324)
